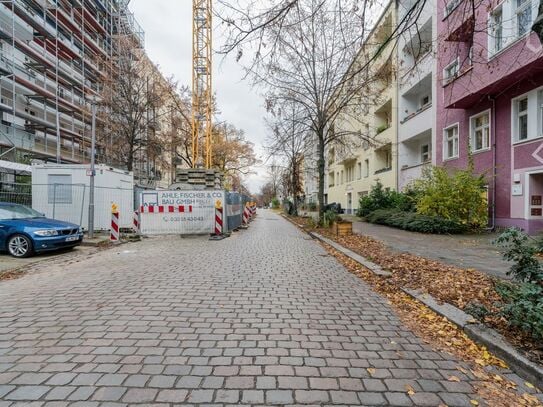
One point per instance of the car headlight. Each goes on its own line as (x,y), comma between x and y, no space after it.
(46,233)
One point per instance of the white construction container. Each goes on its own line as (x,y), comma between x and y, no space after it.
(61,191)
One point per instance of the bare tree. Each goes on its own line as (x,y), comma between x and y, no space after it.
(288,140)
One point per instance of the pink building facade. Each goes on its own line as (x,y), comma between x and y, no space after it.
(490,103)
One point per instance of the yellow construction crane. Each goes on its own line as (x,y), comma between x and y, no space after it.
(202,93)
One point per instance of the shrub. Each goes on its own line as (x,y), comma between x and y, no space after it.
(312,206)
(460,196)
(380,198)
(415,222)
(523,307)
(521,251)
(329,218)
(275,203)
(523,302)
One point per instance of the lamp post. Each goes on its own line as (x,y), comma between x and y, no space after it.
(94,101)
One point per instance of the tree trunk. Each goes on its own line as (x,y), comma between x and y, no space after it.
(321,168)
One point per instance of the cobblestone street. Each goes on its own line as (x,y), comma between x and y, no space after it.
(265,317)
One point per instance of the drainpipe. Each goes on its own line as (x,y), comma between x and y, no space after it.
(494,160)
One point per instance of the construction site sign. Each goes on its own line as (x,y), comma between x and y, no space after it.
(179,212)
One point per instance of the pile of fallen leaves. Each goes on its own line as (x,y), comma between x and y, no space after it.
(492,388)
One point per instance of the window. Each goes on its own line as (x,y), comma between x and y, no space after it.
(59,189)
(527,116)
(451,71)
(425,153)
(366,168)
(510,21)
(331,179)
(450,144)
(425,101)
(522,118)
(524,16)
(450,6)
(496,30)
(480,132)
(359,175)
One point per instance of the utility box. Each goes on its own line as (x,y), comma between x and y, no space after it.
(61,191)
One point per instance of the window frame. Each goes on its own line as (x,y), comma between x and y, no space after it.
(428,153)
(534,107)
(446,142)
(449,79)
(473,129)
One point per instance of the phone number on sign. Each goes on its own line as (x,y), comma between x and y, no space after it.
(183,218)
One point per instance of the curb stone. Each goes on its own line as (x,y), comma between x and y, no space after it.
(480,333)
(374,268)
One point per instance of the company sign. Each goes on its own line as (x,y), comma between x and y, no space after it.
(179,212)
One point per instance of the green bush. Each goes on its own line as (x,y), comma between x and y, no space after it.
(523,301)
(523,306)
(460,196)
(520,250)
(312,206)
(275,203)
(380,198)
(329,218)
(415,222)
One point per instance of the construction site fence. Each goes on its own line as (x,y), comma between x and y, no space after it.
(70,202)
(235,202)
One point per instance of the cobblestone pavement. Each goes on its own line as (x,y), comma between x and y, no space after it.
(265,317)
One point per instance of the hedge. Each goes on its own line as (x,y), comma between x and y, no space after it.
(415,222)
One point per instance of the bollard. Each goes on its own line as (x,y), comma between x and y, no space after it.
(136,222)
(114,235)
(219,220)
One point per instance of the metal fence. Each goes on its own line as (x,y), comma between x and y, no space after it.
(16,193)
(235,202)
(70,202)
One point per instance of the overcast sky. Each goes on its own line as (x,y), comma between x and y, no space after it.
(167,26)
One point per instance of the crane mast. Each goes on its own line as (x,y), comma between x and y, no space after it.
(202,93)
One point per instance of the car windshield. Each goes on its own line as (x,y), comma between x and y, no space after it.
(14,211)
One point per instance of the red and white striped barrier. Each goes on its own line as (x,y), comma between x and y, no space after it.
(166,209)
(218,221)
(246,215)
(136,222)
(114,235)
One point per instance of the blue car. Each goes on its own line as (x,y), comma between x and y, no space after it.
(23,231)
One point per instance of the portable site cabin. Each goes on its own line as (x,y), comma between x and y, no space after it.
(61,191)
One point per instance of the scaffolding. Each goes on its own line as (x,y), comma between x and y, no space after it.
(54,56)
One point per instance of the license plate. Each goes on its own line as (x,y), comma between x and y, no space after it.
(72,238)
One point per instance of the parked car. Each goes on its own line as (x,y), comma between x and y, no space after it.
(24,231)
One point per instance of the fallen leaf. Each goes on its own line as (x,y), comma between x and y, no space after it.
(454,379)
(474,402)
(371,370)
(529,385)
(409,389)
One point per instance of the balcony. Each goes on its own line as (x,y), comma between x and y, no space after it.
(416,123)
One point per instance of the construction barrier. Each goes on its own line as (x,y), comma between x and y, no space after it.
(179,212)
(218,219)
(136,222)
(234,210)
(114,233)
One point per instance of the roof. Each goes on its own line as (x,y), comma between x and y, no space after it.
(20,169)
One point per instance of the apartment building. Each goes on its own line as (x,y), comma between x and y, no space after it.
(490,103)
(416,91)
(54,57)
(369,155)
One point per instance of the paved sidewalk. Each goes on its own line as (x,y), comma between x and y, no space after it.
(466,251)
(265,317)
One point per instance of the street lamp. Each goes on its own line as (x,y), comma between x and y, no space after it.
(94,100)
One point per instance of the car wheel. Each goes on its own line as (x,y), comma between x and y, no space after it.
(19,246)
